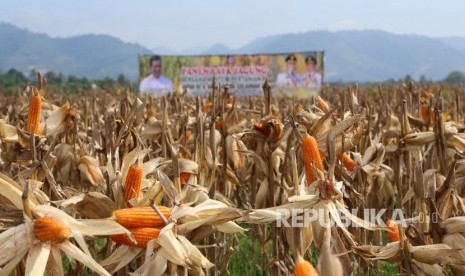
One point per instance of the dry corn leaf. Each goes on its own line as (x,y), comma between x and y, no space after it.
(194,254)
(95,205)
(13,192)
(456,241)
(328,264)
(55,122)
(37,259)
(90,170)
(120,257)
(454,225)
(433,253)
(171,247)
(155,265)
(428,269)
(8,133)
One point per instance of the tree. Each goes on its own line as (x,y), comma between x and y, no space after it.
(122,80)
(54,78)
(13,77)
(408,78)
(423,79)
(455,77)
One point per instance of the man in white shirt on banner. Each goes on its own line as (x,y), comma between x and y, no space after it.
(156,83)
(312,79)
(290,78)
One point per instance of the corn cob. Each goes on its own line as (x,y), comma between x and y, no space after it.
(186,138)
(311,155)
(188,134)
(424,111)
(304,268)
(133,183)
(394,234)
(271,127)
(348,163)
(323,105)
(425,95)
(263,128)
(141,216)
(219,124)
(47,229)
(184,176)
(35,110)
(142,236)
(207,106)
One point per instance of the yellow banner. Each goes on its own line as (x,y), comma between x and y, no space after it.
(298,72)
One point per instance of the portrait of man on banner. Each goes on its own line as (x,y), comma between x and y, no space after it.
(289,78)
(311,79)
(156,83)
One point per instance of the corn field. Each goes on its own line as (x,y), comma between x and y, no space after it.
(115,183)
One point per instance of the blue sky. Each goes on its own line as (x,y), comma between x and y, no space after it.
(182,24)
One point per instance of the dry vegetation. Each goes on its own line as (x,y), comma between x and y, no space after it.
(172,185)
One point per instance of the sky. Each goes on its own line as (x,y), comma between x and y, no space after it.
(184,24)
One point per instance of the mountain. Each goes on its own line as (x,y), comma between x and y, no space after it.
(455,42)
(94,56)
(371,55)
(368,55)
(218,48)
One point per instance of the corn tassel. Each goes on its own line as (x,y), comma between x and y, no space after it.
(347,162)
(141,216)
(47,229)
(133,183)
(304,268)
(311,155)
(35,110)
(141,235)
(394,234)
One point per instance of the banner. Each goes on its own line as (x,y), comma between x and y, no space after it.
(300,73)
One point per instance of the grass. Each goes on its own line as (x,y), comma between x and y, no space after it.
(248,257)
(388,269)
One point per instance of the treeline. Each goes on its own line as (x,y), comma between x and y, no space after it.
(13,80)
(454,77)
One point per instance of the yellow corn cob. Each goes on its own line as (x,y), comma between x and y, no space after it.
(141,216)
(394,233)
(304,268)
(311,155)
(346,161)
(47,229)
(141,235)
(35,110)
(133,183)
